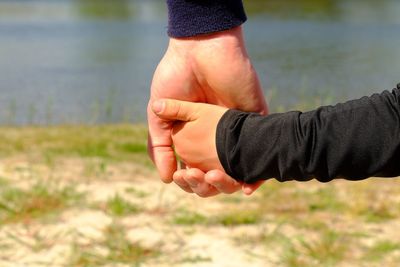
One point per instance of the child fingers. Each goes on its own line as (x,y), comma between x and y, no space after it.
(249,189)
(170,109)
(195,179)
(178,178)
(222,182)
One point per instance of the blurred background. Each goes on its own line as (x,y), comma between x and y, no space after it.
(91,61)
(77,187)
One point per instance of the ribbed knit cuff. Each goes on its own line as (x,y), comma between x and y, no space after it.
(187,18)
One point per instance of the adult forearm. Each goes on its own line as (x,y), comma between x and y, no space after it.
(354,140)
(194,17)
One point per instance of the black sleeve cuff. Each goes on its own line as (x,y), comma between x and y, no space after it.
(226,137)
(189,18)
(250,146)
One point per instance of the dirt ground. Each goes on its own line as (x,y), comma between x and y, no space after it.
(92,212)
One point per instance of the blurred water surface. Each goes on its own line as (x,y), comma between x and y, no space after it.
(91,61)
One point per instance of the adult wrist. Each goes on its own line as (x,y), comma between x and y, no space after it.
(197,17)
(227,41)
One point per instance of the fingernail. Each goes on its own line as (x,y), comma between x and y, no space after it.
(158,106)
(247,191)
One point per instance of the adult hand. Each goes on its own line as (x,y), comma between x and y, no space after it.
(212,69)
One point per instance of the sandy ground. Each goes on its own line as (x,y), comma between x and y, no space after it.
(60,238)
(151,228)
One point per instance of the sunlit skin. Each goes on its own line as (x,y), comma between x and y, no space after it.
(213,69)
(194,133)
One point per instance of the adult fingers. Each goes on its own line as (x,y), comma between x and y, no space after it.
(222,181)
(160,146)
(180,181)
(195,179)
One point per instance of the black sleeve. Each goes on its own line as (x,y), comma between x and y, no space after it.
(353,140)
(188,18)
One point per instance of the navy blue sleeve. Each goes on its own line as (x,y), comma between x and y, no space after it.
(187,18)
(353,140)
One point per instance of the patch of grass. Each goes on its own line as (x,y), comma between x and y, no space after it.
(378,213)
(282,245)
(3,182)
(113,250)
(370,204)
(380,250)
(325,199)
(49,160)
(39,241)
(274,236)
(83,257)
(121,249)
(18,205)
(118,206)
(238,217)
(263,236)
(291,257)
(196,259)
(185,217)
(136,192)
(133,147)
(313,223)
(99,149)
(329,249)
(96,168)
(279,243)
(291,201)
(235,199)
(114,142)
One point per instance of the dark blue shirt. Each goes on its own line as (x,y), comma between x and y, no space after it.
(193,17)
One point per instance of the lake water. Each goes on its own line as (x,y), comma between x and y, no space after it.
(88,61)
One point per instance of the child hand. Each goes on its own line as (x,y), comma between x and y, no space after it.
(194,131)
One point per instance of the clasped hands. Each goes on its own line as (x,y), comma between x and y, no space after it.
(213,69)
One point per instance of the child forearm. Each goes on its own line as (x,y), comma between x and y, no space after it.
(354,140)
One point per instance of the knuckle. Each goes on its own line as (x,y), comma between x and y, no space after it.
(205,191)
(174,109)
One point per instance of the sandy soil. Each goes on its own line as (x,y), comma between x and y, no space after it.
(58,238)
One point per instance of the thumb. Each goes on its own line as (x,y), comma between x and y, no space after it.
(175,110)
